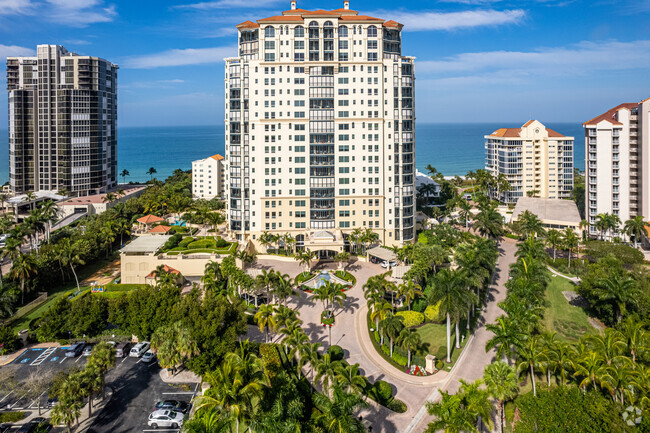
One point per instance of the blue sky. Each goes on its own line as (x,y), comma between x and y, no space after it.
(477,60)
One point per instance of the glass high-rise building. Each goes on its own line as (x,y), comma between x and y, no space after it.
(62,122)
(320,129)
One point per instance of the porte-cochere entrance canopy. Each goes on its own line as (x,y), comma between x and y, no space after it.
(325,240)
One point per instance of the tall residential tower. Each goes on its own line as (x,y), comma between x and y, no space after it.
(617,163)
(533,158)
(62,122)
(320,129)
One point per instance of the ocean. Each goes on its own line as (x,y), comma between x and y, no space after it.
(452,148)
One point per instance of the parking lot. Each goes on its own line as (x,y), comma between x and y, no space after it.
(137,387)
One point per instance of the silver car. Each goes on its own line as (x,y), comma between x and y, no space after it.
(165,418)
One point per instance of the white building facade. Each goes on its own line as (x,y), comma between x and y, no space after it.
(617,163)
(320,128)
(532,158)
(208,177)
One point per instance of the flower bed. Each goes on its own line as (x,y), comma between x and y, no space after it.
(327,318)
(416,370)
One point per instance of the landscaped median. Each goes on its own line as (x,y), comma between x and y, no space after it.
(177,245)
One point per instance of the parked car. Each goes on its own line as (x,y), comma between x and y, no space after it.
(139,349)
(374,260)
(122,349)
(165,418)
(51,402)
(32,425)
(175,405)
(386,264)
(148,356)
(75,349)
(88,350)
(4,428)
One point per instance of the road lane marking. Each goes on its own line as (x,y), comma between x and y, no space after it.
(43,356)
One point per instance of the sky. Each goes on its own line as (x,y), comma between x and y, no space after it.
(477,60)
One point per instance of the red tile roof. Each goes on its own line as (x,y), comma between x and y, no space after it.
(298,15)
(282,18)
(391,23)
(217,157)
(321,12)
(167,269)
(610,116)
(248,25)
(552,133)
(160,229)
(528,123)
(360,18)
(150,219)
(516,132)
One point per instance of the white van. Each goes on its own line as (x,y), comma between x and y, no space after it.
(139,349)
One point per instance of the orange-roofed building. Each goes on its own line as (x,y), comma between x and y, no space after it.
(534,159)
(617,164)
(154,275)
(208,177)
(150,219)
(311,97)
(160,230)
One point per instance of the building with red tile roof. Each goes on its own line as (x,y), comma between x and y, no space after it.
(532,158)
(160,230)
(150,219)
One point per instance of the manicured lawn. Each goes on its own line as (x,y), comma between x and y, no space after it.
(435,336)
(568,321)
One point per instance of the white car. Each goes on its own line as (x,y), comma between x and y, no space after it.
(386,264)
(165,418)
(138,350)
(148,356)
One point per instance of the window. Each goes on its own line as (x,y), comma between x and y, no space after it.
(343,32)
(299,57)
(298,81)
(344,80)
(269,32)
(269,57)
(300,159)
(299,32)
(372,57)
(299,70)
(300,203)
(372,32)
(300,181)
(269,45)
(300,192)
(299,149)
(299,45)
(343,45)
(372,45)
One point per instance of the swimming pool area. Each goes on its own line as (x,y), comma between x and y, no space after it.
(179,223)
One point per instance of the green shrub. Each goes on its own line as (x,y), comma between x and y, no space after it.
(11,416)
(186,241)
(400,359)
(432,313)
(397,406)
(628,255)
(201,244)
(411,318)
(420,305)
(269,355)
(9,341)
(336,353)
(221,243)
(172,242)
(382,391)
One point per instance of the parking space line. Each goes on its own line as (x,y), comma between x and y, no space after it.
(78,358)
(31,405)
(178,393)
(125,358)
(11,392)
(43,356)
(64,358)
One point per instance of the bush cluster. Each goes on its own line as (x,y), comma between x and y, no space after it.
(411,318)
(432,313)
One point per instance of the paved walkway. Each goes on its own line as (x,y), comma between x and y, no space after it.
(575,280)
(351,333)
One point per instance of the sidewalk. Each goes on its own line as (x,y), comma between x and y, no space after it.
(8,359)
(184,376)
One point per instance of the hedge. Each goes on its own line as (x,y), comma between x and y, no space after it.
(411,318)
(202,243)
(432,313)
(11,416)
(336,353)
(185,242)
(9,341)
(628,255)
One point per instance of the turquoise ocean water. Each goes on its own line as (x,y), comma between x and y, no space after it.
(452,148)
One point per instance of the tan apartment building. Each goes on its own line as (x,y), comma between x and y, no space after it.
(532,158)
(617,163)
(320,129)
(208,177)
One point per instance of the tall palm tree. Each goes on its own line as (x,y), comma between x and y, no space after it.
(465,211)
(305,257)
(447,289)
(409,340)
(532,248)
(610,346)
(635,227)
(489,222)
(326,370)
(501,382)
(265,319)
(30,196)
(392,326)
(532,354)
(266,280)
(283,288)
(570,241)
(22,268)
(409,290)
(636,338)
(342,257)
(208,422)
(529,225)
(103,359)
(338,412)
(173,345)
(553,240)
(350,379)
(151,172)
(309,354)
(379,311)
(450,415)
(124,174)
(620,290)
(507,338)
(66,413)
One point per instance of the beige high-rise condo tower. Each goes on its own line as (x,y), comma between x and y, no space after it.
(62,122)
(617,163)
(320,129)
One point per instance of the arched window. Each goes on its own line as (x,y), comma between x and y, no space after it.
(372,32)
(328,30)
(299,32)
(343,32)
(313,30)
(328,25)
(313,24)
(269,32)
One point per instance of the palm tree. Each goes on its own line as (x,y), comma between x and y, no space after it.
(553,240)
(465,211)
(620,290)
(208,422)
(22,268)
(448,290)
(305,257)
(529,224)
(379,310)
(532,354)
(109,197)
(507,337)
(392,326)
(610,346)
(531,248)
(635,337)
(501,382)
(124,174)
(635,227)
(342,258)
(450,414)
(489,222)
(350,379)
(409,290)
(583,226)
(590,367)
(338,412)
(409,340)
(309,354)
(326,371)
(151,172)
(103,359)
(173,345)
(266,280)
(66,413)
(265,319)
(283,288)
(30,196)
(570,240)
(49,212)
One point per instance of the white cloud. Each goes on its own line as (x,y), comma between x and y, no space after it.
(15,7)
(418,21)
(80,13)
(584,57)
(177,57)
(227,4)
(15,51)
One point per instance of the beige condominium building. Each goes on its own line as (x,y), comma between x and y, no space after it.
(208,177)
(320,129)
(617,163)
(62,122)
(532,158)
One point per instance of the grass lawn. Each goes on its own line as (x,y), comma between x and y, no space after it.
(435,336)
(568,321)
